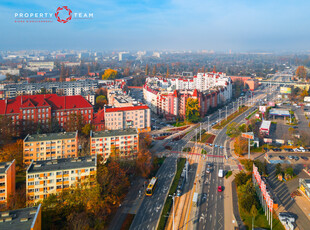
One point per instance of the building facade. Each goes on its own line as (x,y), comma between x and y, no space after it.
(44,108)
(50,146)
(168,97)
(123,143)
(7,181)
(26,219)
(44,178)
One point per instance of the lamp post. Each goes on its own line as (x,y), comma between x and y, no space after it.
(173,196)
(208,122)
(226,113)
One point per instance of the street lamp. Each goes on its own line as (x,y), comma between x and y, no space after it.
(208,122)
(226,113)
(173,196)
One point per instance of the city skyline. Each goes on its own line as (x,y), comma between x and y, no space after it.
(240,26)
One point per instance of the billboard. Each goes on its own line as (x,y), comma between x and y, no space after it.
(285,90)
(262,109)
(307,99)
(249,135)
(271,103)
(267,140)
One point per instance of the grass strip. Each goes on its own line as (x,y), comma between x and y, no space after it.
(232,116)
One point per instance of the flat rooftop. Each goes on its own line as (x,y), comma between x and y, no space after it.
(111,133)
(50,136)
(280,112)
(62,164)
(4,166)
(19,219)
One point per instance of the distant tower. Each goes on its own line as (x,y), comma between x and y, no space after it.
(229,51)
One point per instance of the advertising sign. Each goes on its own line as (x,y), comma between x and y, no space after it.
(267,140)
(307,99)
(262,109)
(271,103)
(249,135)
(279,141)
(285,90)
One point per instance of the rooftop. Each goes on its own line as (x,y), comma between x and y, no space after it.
(4,166)
(127,108)
(280,112)
(62,164)
(50,136)
(19,219)
(111,133)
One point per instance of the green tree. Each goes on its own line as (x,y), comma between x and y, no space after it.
(254,213)
(192,113)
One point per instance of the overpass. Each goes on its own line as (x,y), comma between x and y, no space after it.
(294,83)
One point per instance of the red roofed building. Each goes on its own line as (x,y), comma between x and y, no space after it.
(42,109)
(136,116)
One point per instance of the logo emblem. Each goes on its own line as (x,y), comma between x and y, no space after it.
(63,20)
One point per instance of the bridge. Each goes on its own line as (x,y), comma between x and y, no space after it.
(275,82)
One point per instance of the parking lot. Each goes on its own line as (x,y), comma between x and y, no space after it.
(289,157)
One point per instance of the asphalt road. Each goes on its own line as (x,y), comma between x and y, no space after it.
(150,209)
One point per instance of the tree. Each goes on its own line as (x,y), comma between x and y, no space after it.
(167,74)
(144,163)
(101,100)
(154,70)
(233,130)
(75,122)
(86,129)
(192,113)
(241,178)
(62,72)
(147,69)
(12,151)
(240,146)
(109,74)
(254,213)
(301,72)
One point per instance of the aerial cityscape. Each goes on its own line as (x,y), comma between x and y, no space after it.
(154,115)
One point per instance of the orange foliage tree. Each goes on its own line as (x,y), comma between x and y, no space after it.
(144,163)
(13,151)
(109,74)
(241,145)
(301,72)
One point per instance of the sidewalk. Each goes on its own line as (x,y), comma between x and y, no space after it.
(229,218)
(304,203)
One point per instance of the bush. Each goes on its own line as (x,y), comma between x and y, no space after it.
(228,174)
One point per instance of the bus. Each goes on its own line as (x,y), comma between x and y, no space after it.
(151,187)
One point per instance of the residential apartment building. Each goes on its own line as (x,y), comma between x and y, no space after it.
(7,181)
(168,97)
(85,88)
(44,178)
(44,108)
(124,143)
(25,219)
(38,147)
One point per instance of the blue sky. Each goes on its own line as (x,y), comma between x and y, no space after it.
(239,25)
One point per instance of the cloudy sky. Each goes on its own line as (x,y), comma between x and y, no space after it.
(239,25)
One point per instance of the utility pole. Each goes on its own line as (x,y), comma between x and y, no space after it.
(208,122)
(173,196)
(200,132)
(226,112)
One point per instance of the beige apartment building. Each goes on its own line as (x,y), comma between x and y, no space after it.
(135,116)
(38,147)
(52,176)
(123,143)
(7,181)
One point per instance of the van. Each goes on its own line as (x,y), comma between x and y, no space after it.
(221,173)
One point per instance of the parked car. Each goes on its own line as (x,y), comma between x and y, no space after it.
(219,188)
(290,157)
(282,157)
(304,158)
(296,158)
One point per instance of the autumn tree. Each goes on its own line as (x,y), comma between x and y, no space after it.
(7,130)
(144,163)
(154,70)
(127,72)
(167,74)
(62,73)
(147,69)
(12,151)
(301,72)
(101,100)
(233,130)
(86,129)
(109,74)
(74,122)
(192,113)
(241,145)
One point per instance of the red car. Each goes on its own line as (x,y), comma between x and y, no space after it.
(219,188)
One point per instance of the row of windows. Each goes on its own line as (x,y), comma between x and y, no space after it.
(32,111)
(58,173)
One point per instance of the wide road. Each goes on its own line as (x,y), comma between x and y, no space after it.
(150,209)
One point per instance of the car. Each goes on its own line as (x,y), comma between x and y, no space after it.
(270,156)
(295,127)
(282,157)
(304,158)
(219,188)
(296,158)
(208,170)
(210,165)
(291,157)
